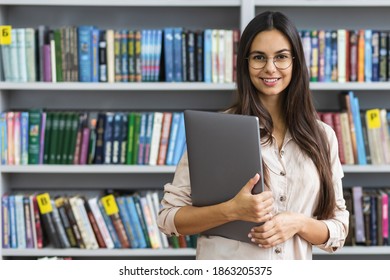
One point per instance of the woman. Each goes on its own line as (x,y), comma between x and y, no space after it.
(304,204)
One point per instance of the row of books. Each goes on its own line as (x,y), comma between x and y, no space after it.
(89,54)
(63,137)
(363,135)
(369,212)
(99,221)
(344,55)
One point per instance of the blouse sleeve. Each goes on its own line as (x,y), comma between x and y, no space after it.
(176,195)
(339,224)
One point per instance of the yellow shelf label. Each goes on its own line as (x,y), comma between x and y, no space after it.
(5,34)
(109,204)
(373,118)
(44,203)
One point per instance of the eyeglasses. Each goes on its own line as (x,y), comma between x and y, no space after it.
(259,61)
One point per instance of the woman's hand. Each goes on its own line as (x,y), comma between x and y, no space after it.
(280,228)
(250,207)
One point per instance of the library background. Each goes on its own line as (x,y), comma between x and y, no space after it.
(91,101)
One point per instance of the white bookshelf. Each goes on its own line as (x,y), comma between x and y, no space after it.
(227,14)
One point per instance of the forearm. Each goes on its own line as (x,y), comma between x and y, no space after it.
(193,220)
(314,231)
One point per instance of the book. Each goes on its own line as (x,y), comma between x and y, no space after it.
(100,222)
(46,209)
(73,222)
(28,222)
(94,224)
(60,205)
(34,136)
(112,211)
(156,136)
(61,231)
(20,221)
(357,195)
(5,222)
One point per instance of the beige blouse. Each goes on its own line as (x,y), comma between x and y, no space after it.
(294,182)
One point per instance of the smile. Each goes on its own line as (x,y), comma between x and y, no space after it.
(270,80)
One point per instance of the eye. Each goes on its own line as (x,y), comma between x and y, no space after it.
(258,57)
(282,57)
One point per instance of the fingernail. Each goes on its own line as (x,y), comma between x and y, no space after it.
(250,235)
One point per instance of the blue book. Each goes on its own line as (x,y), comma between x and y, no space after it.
(142,138)
(85,51)
(142,219)
(117,138)
(120,200)
(368,55)
(207,56)
(328,56)
(373,218)
(375,55)
(361,151)
(3,139)
(95,55)
(172,138)
(24,135)
(12,218)
(180,141)
(334,57)
(148,137)
(168,54)
(135,222)
(177,54)
(157,54)
(144,54)
(20,221)
(110,226)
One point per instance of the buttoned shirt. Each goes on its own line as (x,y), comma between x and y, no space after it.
(295,184)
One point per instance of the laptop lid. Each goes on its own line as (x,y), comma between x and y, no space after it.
(223,154)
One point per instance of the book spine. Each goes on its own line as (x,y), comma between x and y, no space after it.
(5,222)
(28,223)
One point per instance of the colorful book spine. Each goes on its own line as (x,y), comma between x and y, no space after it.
(5,222)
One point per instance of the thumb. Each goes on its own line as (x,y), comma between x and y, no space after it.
(252,182)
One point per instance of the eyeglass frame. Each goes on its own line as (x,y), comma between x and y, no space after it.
(267,58)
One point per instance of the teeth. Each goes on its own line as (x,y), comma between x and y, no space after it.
(270,80)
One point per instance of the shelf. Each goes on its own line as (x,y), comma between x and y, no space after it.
(366,168)
(350,86)
(146,169)
(110,169)
(126,3)
(355,250)
(99,252)
(164,86)
(323,3)
(158,86)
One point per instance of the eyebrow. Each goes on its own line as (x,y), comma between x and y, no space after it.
(277,52)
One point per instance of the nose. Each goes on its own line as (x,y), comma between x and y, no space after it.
(270,66)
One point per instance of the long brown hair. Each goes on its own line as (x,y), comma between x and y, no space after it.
(297,104)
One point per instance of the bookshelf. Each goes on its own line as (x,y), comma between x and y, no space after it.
(169,96)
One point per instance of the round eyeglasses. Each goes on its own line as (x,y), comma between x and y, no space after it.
(259,61)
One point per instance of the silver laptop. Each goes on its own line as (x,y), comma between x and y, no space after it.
(223,154)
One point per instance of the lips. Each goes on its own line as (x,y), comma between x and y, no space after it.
(270,80)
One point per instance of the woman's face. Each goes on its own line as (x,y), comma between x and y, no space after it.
(269,46)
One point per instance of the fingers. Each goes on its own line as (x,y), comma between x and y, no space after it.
(252,182)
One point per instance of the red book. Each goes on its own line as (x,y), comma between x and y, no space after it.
(337,130)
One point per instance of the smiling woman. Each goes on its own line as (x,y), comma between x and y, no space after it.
(303,203)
